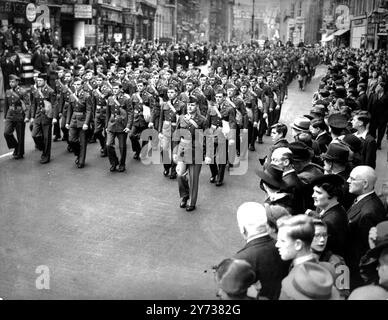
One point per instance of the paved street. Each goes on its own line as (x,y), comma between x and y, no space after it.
(120,236)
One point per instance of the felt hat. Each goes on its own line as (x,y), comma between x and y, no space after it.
(272,175)
(310,281)
(301,123)
(337,120)
(336,152)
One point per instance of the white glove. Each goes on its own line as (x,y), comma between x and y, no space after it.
(208,160)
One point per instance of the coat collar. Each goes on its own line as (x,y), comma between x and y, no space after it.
(355,209)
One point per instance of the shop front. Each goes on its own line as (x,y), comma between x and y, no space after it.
(358,33)
(109,24)
(128,25)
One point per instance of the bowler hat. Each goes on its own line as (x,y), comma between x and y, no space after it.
(310,281)
(340,92)
(336,152)
(318,110)
(301,123)
(273,176)
(337,120)
(300,151)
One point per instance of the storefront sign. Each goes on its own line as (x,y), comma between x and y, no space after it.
(342,17)
(30,12)
(83,11)
(118,37)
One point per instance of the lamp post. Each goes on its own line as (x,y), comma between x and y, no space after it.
(253,20)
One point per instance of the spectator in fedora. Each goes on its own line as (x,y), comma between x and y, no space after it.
(273,185)
(328,191)
(364,214)
(305,169)
(260,250)
(337,123)
(355,146)
(301,124)
(283,158)
(309,281)
(233,278)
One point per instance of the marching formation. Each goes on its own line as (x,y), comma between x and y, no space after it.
(114,96)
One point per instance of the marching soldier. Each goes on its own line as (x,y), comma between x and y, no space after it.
(221,118)
(250,100)
(241,116)
(100,96)
(170,111)
(78,120)
(88,87)
(189,154)
(44,113)
(67,90)
(142,104)
(119,117)
(58,89)
(16,102)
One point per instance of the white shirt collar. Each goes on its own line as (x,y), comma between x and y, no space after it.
(257,237)
(360,197)
(362,135)
(300,260)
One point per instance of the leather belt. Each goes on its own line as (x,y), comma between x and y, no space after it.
(78,113)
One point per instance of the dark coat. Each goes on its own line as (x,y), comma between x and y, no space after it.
(362,216)
(362,101)
(296,187)
(337,227)
(369,149)
(323,141)
(262,254)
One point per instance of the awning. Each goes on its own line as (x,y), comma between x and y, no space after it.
(327,38)
(340,32)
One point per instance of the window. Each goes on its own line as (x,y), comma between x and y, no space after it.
(299,9)
(292,10)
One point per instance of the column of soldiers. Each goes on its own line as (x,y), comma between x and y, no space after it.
(108,104)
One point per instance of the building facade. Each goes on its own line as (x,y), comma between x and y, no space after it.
(258,20)
(300,21)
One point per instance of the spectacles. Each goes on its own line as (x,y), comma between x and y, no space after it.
(354,179)
(321,235)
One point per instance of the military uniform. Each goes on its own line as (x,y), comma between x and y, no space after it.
(140,102)
(16,102)
(58,90)
(190,158)
(250,100)
(170,111)
(119,116)
(101,103)
(43,110)
(241,120)
(222,123)
(78,115)
(65,97)
(87,86)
